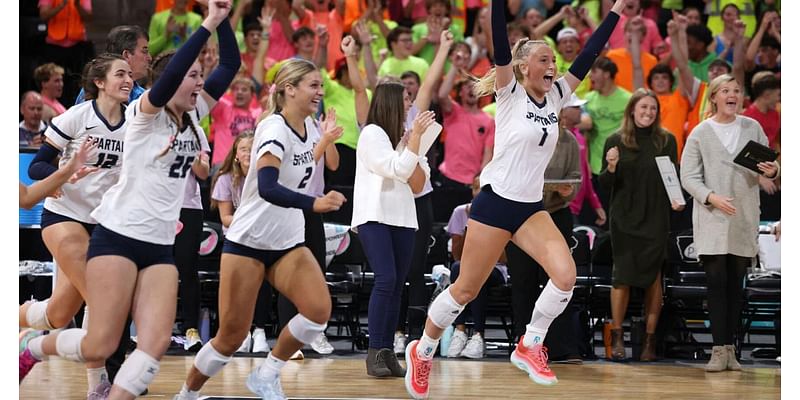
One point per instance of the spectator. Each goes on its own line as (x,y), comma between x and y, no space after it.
(130,42)
(698,38)
(402,60)
(638,214)
(582,23)
(520,8)
(169,29)
(426,34)
(766,96)
(469,142)
(623,56)
(280,47)
(66,42)
(532,20)
(237,112)
(462,345)
(723,43)
(50,79)
(226,195)
(330,14)
(31,129)
(674,105)
(764,51)
(605,104)
(254,35)
(746,8)
(651,39)
(304,39)
(571,116)
(725,212)
(377,26)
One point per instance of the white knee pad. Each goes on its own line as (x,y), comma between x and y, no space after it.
(37,316)
(305,330)
(137,372)
(444,309)
(68,344)
(209,361)
(552,301)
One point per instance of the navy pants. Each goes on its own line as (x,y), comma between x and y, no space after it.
(388,250)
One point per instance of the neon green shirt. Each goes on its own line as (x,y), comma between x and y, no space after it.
(395,67)
(606,113)
(343,100)
(428,52)
(159,41)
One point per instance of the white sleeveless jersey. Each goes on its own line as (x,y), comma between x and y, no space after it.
(525,138)
(68,131)
(257,223)
(146,201)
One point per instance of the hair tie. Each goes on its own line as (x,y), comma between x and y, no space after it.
(272,89)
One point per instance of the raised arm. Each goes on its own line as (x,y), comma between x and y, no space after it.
(238,12)
(229,62)
(359,88)
(164,88)
(426,89)
(265,19)
(445,102)
(739,51)
(755,43)
(634,47)
(321,56)
(676,28)
(365,38)
(502,50)
(550,23)
(583,63)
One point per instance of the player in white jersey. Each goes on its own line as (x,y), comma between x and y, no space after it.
(130,264)
(509,207)
(265,239)
(66,220)
(70,172)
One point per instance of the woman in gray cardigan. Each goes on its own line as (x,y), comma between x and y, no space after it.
(726,209)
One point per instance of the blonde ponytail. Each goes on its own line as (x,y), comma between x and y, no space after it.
(521,50)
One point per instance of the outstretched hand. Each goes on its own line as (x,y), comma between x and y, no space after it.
(218,10)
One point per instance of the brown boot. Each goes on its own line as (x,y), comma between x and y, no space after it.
(719,359)
(648,348)
(733,364)
(617,344)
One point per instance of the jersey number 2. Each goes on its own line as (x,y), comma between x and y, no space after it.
(544,137)
(180,166)
(304,181)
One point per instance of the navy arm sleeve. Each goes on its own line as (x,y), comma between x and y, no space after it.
(169,81)
(270,190)
(502,51)
(229,62)
(583,63)
(42,165)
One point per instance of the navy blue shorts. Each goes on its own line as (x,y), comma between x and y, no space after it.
(105,242)
(51,218)
(492,209)
(266,257)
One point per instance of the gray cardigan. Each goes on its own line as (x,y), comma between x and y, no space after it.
(706,167)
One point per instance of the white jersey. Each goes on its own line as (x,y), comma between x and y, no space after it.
(316,186)
(68,131)
(525,138)
(257,223)
(145,204)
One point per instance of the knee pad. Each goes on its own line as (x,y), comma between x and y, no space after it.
(444,309)
(305,330)
(552,301)
(37,316)
(137,372)
(68,344)
(209,361)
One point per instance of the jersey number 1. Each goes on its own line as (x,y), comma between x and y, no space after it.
(544,137)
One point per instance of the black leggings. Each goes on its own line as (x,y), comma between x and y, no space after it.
(315,241)
(345,175)
(725,280)
(185,250)
(414,303)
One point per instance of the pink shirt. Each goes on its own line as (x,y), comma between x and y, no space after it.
(228,122)
(651,39)
(586,190)
(280,47)
(468,135)
(55,105)
(419,12)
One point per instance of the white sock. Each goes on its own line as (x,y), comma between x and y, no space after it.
(551,304)
(271,367)
(189,393)
(35,347)
(96,375)
(426,347)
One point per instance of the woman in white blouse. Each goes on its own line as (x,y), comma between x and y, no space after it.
(389,170)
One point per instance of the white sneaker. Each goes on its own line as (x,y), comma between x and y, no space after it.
(245,347)
(266,387)
(192,342)
(399,343)
(474,347)
(321,345)
(457,343)
(298,355)
(260,344)
(186,395)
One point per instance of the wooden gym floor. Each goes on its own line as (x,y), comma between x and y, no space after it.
(451,379)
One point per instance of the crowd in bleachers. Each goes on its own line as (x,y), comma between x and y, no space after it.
(673,48)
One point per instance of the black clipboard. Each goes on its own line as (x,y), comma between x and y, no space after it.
(754,153)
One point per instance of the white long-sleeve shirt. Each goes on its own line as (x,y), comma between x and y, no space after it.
(381,192)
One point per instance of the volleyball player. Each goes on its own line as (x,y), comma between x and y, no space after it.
(265,239)
(70,172)
(130,262)
(509,206)
(66,220)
